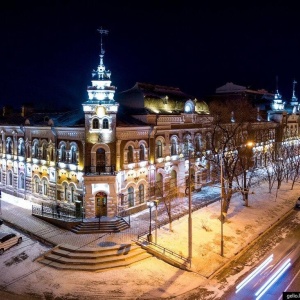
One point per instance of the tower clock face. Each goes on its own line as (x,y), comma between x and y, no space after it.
(187,108)
(101,111)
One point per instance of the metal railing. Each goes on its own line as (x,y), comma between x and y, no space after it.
(123,214)
(162,250)
(63,213)
(99,170)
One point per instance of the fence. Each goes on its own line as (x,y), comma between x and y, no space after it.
(99,170)
(62,213)
(164,251)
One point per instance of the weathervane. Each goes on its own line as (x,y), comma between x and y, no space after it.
(294,83)
(102,31)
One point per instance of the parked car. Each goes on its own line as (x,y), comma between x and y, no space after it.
(297,205)
(8,239)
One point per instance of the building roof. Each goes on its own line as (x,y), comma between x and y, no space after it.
(158,99)
(73,118)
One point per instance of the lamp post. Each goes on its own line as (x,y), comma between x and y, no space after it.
(245,188)
(150,204)
(190,213)
(156,204)
(222,196)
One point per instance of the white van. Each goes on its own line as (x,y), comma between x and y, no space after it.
(8,239)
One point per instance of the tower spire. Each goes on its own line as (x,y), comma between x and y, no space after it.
(101,88)
(294,83)
(294,100)
(102,52)
(277,103)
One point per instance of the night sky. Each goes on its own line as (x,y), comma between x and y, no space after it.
(49,48)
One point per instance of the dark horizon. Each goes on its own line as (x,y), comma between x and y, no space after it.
(50,49)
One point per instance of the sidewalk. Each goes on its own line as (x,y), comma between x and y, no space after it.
(17,212)
(153,278)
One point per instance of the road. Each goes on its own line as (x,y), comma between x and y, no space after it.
(16,262)
(263,281)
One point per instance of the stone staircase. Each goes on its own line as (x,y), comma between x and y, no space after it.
(93,259)
(104,226)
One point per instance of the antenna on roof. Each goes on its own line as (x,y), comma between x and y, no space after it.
(277,84)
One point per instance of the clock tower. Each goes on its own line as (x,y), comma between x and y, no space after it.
(100,112)
(100,109)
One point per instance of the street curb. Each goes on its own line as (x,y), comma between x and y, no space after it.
(37,237)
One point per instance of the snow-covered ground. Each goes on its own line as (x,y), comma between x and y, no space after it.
(153,278)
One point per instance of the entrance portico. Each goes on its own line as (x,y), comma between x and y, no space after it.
(100,198)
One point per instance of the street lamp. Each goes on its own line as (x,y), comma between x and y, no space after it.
(150,204)
(190,212)
(222,196)
(156,204)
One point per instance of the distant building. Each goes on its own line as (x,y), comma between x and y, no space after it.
(260,98)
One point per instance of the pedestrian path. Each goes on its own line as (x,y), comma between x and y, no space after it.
(17,212)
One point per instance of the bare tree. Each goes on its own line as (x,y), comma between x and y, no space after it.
(231,128)
(294,163)
(245,174)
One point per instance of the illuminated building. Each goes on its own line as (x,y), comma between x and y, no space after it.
(114,153)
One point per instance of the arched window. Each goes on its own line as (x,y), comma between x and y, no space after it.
(22,181)
(186,147)
(36,185)
(130,197)
(63,156)
(100,160)
(142,152)
(130,154)
(198,144)
(9,178)
(9,146)
(51,154)
(44,151)
(21,149)
(72,194)
(105,124)
(141,194)
(173,181)
(95,124)
(158,149)
(173,147)
(73,154)
(65,192)
(45,187)
(159,185)
(35,150)
(27,151)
